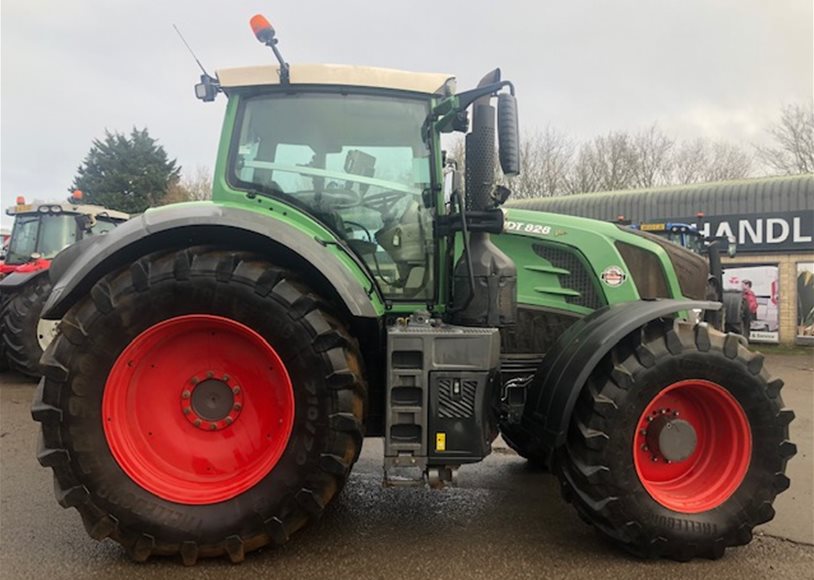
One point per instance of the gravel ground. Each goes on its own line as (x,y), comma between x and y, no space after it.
(504,520)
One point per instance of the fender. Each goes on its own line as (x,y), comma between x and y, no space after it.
(567,366)
(76,269)
(18,279)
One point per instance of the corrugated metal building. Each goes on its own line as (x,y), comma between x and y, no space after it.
(771,219)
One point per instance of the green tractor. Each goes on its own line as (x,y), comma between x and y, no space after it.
(219,364)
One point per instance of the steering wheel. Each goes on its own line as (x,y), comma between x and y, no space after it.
(383,201)
(342,198)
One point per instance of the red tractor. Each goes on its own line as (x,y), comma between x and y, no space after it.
(40,232)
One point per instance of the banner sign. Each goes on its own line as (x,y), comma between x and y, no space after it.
(790,231)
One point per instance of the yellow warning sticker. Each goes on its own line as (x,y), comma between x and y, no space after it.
(440,441)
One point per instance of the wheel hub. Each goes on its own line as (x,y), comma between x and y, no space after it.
(211,404)
(692,446)
(669,437)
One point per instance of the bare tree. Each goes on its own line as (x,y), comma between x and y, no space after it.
(544,161)
(652,160)
(604,163)
(194,187)
(728,161)
(701,160)
(581,176)
(690,162)
(793,135)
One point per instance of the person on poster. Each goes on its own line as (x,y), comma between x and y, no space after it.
(751,301)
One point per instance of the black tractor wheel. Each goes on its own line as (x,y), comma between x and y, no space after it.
(715,318)
(737,313)
(522,444)
(202,403)
(25,335)
(678,443)
(4,299)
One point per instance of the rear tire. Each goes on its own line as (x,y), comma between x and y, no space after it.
(21,325)
(701,504)
(210,514)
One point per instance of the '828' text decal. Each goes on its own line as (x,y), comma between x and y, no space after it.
(527,228)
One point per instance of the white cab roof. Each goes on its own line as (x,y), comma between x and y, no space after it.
(338,74)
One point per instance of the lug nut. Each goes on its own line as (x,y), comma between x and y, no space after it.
(225,378)
(209,374)
(237,407)
(197,422)
(643,432)
(228,420)
(186,394)
(645,448)
(213,427)
(187,410)
(235,390)
(194,380)
(655,459)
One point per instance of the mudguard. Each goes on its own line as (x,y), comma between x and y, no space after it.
(16,280)
(76,269)
(567,366)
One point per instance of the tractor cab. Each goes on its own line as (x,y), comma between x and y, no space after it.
(42,230)
(358,159)
(357,149)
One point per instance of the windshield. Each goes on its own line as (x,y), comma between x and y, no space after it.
(358,164)
(690,240)
(45,234)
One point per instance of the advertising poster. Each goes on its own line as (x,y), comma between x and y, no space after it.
(805,301)
(762,281)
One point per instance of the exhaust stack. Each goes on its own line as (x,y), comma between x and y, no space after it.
(484,285)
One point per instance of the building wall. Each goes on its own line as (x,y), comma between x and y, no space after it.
(787,281)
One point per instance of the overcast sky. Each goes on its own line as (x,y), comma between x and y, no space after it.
(71,68)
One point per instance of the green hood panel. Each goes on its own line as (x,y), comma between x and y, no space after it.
(571,263)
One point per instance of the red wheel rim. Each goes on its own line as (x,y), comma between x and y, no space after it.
(720,457)
(198,409)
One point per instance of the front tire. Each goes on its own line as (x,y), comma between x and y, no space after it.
(24,335)
(200,402)
(523,444)
(722,458)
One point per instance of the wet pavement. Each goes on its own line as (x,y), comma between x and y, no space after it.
(504,520)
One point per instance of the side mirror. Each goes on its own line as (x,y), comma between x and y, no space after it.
(508,134)
(85,222)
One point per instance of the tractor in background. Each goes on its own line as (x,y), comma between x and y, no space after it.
(219,364)
(40,232)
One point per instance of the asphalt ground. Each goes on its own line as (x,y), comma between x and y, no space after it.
(505,520)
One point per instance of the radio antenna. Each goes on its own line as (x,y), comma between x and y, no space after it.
(181,36)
